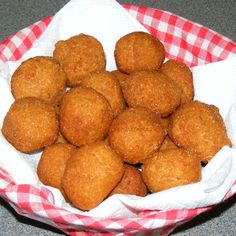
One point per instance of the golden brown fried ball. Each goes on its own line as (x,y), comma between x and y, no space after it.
(139,51)
(52,164)
(30,124)
(136,134)
(168,144)
(105,83)
(80,55)
(40,77)
(171,168)
(131,183)
(199,128)
(85,116)
(152,90)
(121,77)
(90,175)
(182,75)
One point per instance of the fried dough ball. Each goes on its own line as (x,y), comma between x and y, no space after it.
(40,77)
(30,124)
(91,174)
(52,164)
(182,75)
(85,116)
(152,90)
(121,77)
(138,51)
(80,55)
(105,83)
(136,134)
(171,168)
(168,144)
(199,128)
(131,183)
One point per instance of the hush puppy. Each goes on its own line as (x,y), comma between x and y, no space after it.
(52,164)
(152,90)
(91,174)
(139,51)
(182,75)
(135,134)
(30,124)
(40,77)
(105,83)
(121,77)
(171,168)
(79,55)
(199,128)
(131,183)
(85,116)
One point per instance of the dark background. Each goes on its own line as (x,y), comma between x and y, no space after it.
(218,15)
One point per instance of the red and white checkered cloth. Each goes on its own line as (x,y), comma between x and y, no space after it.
(185,41)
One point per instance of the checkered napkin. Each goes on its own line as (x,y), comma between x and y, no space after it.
(185,41)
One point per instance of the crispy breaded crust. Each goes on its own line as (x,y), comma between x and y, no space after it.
(131,183)
(135,134)
(80,55)
(52,164)
(85,116)
(41,77)
(105,83)
(30,124)
(199,128)
(152,90)
(139,51)
(171,168)
(90,175)
(182,75)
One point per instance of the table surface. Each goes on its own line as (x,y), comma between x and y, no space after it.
(217,15)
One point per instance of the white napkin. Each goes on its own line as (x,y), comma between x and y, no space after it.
(108,21)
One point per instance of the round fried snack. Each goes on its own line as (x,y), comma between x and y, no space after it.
(85,116)
(139,51)
(91,174)
(168,144)
(40,77)
(80,55)
(199,128)
(131,183)
(136,134)
(152,90)
(105,83)
(121,77)
(30,124)
(52,164)
(182,75)
(171,168)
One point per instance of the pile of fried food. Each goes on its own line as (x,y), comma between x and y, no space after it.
(134,131)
